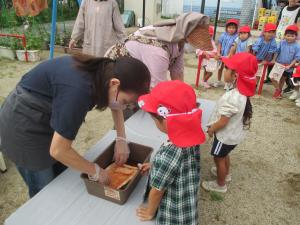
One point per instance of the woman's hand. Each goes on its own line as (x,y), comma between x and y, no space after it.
(72,44)
(121,152)
(144,168)
(103,177)
(144,214)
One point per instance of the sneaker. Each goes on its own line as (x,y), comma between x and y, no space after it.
(294,95)
(206,85)
(213,186)
(277,94)
(213,171)
(217,84)
(288,90)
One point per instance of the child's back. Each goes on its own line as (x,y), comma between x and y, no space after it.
(177,170)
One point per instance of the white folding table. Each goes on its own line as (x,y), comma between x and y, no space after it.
(65,200)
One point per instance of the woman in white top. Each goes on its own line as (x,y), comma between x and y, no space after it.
(288,16)
(231,117)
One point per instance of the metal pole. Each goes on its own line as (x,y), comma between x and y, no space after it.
(217,17)
(144,8)
(53,28)
(202,6)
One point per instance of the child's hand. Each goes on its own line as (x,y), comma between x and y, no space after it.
(210,132)
(143,214)
(144,168)
(288,67)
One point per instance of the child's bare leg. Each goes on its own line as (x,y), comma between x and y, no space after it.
(227,163)
(257,80)
(220,72)
(275,83)
(281,82)
(207,75)
(221,170)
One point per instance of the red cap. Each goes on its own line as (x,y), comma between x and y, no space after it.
(245,29)
(297,74)
(245,65)
(234,21)
(176,102)
(211,30)
(292,28)
(270,27)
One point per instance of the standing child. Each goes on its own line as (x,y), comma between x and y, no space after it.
(231,117)
(209,63)
(243,43)
(286,57)
(265,47)
(225,43)
(175,170)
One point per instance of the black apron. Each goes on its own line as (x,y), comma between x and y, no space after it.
(25,129)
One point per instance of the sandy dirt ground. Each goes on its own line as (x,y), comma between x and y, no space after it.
(265,189)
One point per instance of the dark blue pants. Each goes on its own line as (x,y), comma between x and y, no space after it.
(37,180)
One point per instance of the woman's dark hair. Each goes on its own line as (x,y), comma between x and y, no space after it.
(291,32)
(133,75)
(247,114)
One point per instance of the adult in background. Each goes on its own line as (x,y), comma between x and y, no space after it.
(99,25)
(40,118)
(161,46)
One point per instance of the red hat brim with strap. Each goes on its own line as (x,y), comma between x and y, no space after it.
(176,102)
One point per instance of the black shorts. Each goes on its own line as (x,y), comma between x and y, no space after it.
(220,149)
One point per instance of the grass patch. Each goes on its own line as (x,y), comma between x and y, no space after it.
(216,197)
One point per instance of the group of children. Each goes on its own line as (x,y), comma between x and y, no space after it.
(281,57)
(174,173)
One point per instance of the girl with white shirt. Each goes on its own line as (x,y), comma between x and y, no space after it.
(231,117)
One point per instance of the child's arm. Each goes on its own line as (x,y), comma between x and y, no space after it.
(144,168)
(293,63)
(274,58)
(219,50)
(232,50)
(221,123)
(148,212)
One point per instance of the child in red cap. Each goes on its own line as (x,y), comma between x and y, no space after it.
(209,62)
(296,81)
(287,55)
(243,42)
(264,48)
(175,171)
(231,117)
(225,43)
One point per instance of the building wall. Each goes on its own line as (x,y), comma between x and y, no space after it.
(152,12)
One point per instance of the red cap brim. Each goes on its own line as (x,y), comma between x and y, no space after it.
(147,103)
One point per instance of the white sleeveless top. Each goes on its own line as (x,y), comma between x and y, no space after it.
(287,18)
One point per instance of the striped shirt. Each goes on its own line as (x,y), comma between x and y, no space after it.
(242,46)
(226,40)
(177,172)
(264,50)
(287,53)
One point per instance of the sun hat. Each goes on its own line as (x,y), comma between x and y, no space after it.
(234,21)
(176,102)
(292,28)
(270,27)
(245,29)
